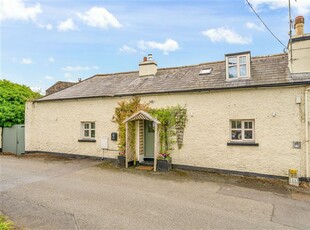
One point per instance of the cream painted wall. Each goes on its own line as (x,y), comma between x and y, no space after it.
(301,56)
(55,126)
(147,68)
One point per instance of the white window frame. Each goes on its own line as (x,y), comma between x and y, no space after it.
(90,129)
(242,129)
(238,64)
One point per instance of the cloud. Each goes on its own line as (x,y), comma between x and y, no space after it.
(168,46)
(225,35)
(37,89)
(301,6)
(16,10)
(45,26)
(66,25)
(251,25)
(69,77)
(26,61)
(51,59)
(79,68)
(99,17)
(49,78)
(127,49)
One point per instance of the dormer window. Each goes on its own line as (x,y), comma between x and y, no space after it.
(238,66)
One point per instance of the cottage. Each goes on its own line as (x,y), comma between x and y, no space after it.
(245,114)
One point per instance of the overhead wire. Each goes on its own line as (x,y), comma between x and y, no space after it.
(265,24)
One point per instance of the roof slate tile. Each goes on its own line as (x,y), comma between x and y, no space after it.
(264,70)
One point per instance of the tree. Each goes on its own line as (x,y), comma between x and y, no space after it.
(12,102)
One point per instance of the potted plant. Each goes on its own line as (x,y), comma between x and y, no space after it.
(121,159)
(164,162)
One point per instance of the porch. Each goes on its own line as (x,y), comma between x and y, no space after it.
(142,139)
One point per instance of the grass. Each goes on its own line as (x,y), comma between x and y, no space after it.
(6,224)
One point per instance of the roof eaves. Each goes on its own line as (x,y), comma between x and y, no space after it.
(184,91)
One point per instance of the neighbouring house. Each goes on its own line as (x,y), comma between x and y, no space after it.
(245,114)
(58,86)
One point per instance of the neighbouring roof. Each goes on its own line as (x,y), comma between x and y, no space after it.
(265,71)
(58,86)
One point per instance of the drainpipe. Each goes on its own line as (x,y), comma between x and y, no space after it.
(307,131)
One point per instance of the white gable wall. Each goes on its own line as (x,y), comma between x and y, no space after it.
(55,127)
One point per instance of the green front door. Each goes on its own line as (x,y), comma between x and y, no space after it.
(149,135)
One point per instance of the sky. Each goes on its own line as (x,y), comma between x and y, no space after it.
(45,41)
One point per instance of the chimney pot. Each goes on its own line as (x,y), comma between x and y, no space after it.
(144,59)
(299,25)
(149,57)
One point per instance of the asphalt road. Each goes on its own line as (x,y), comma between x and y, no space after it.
(37,193)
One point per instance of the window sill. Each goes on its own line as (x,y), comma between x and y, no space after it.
(237,79)
(242,144)
(86,140)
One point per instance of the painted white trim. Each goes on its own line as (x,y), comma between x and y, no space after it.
(144,114)
(242,129)
(248,67)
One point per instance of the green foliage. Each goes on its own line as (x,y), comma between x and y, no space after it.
(172,123)
(5,224)
(125,109)
(166,128)
(12,102)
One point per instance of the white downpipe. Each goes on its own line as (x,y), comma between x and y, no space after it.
(307,131)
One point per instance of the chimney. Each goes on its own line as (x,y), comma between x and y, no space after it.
(147,67)
(299,25)
(299,50)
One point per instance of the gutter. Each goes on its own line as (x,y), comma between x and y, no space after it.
(307,131)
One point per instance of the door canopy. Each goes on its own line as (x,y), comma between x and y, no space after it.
(141,115)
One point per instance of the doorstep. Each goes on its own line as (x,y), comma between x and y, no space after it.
(145,167)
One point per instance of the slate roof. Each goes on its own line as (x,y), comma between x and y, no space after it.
(265,71)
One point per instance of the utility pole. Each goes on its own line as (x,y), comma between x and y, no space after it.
(290,31)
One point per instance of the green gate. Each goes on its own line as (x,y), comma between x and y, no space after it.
(14,139)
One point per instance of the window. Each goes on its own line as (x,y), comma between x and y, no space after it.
(205,71)
(238,66)
(88,130)
(242,130)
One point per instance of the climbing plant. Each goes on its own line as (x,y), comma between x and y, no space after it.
(171,129)
(180,116)
(125,109)
(166,128)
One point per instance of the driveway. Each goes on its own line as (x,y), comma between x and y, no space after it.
(48,193)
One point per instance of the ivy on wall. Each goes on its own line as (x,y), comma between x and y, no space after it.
(171,129)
